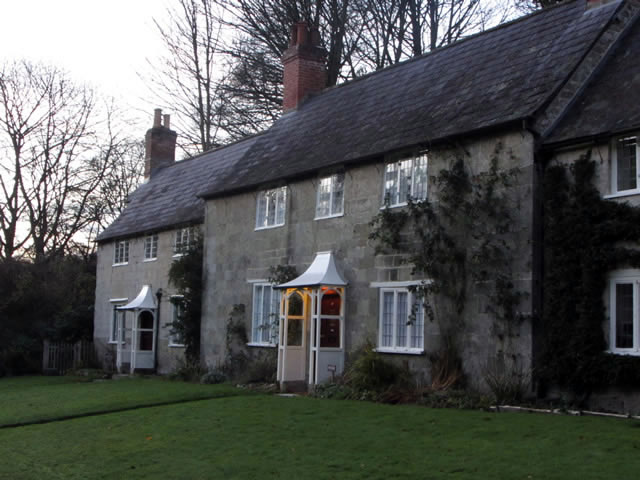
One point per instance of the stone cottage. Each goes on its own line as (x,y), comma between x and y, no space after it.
(540,90)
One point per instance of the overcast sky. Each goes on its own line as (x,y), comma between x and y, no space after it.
(103,43)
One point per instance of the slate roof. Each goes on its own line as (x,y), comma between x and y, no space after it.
(504,75)
(169,199)
(493,78)
(611,102)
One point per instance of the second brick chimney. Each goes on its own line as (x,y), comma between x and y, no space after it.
(304,66)
(160,145)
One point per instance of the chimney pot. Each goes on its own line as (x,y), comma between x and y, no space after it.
(157,115)
(167,120)
(302,33)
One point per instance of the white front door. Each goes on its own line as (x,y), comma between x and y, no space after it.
(292,344)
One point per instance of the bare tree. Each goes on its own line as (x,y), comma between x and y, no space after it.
(358,35)
(187,80)
(48,173)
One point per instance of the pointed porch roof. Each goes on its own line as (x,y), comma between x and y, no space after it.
(322,271)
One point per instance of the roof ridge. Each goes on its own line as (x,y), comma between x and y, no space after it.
(445,47)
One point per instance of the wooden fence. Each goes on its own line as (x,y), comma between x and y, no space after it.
(59,357)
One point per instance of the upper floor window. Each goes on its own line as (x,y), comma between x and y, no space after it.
(151,247)
(401,324)
(271,209)
(182,240)
(405,179)
(625,168)
(624,308)
(330,196)
(121,252)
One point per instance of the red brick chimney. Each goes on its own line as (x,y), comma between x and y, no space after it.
(304,66)
(160,145)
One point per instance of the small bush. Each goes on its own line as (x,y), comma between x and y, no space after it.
(188,371)
(461,399)
(507,379)
(214,376)
(371,372)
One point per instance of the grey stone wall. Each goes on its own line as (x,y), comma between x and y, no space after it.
(125,281)
(235,254)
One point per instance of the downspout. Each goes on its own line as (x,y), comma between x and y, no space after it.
(537,263)
(155,344)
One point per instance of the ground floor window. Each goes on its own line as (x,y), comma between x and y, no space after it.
(177,307)
(624,305)
(401,324)
(266,308)
(116,320)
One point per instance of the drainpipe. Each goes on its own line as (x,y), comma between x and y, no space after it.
(155,346)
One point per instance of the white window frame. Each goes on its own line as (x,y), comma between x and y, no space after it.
(120,252)
(151,248)
(332,180)
(614,167)
(619,277)
(261,322)
(394,348)
(276,198)
(113,324)
(176,305)
(182,239)
(415,161)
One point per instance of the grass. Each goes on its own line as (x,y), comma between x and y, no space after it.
(257,436)
(38,399)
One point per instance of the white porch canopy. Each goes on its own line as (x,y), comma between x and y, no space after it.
(322,271)
(144,301)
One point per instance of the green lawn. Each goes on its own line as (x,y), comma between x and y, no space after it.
(33,399)
(258,436)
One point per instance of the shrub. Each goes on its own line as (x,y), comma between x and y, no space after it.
(188,371)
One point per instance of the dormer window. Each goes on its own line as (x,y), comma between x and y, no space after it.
(625,168)
(271,208)
(405,179)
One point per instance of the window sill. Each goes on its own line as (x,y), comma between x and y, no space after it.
(395,205)
(267,345)
(401,351)
(624,193)
(337,215)
(150,259)
(629,353)
(176,345)
(120,264)
(268,227)
(178,255)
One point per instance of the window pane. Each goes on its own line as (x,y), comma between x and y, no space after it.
(271,208)
(337,202)
(330,304)
(281,206)
(294,332)
(391,183)
(295,305)
(257,313)
(626,164)
(265,320)
(324,198)
(261,212)
(401,319)
(330,332)
(114,324)
(420,178)
(404,187)
(624,315)
(387,319)
(417,329)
